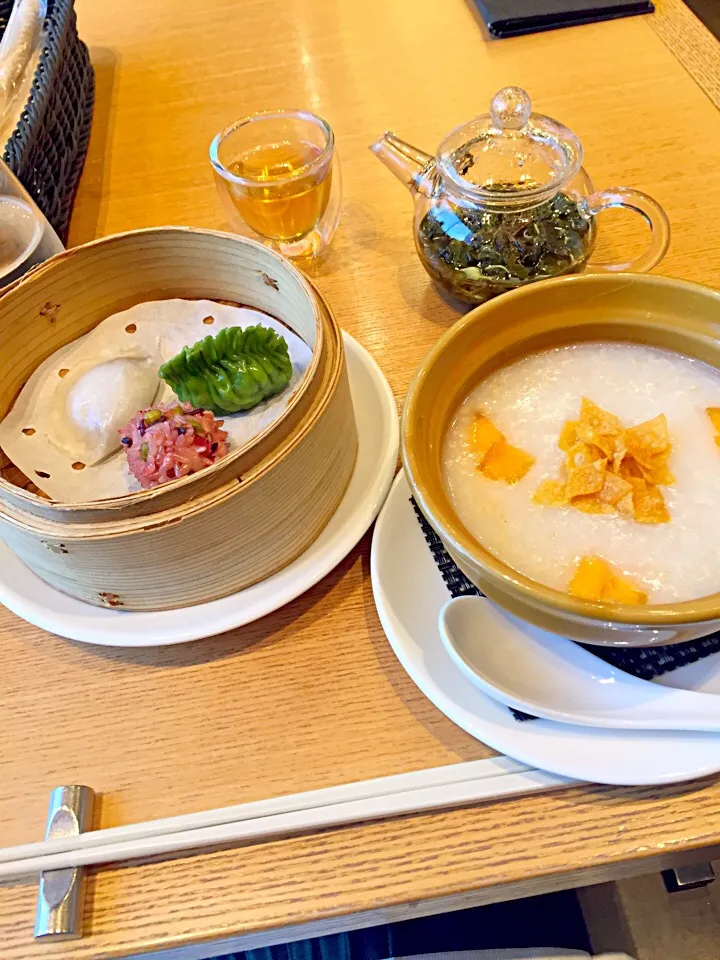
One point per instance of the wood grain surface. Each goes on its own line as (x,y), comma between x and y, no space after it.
(313,694)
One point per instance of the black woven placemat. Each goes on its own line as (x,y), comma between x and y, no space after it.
(643,662)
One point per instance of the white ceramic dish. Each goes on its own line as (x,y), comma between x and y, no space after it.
(21,229)
(409,594)
(377,422)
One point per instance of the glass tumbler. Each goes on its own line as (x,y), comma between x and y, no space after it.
(278,174)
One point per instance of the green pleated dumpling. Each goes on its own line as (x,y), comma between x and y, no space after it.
(232,371)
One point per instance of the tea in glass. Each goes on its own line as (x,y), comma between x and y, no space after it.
(277,174)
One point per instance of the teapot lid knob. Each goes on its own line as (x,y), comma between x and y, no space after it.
(510,108)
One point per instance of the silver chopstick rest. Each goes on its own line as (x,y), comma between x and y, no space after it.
(59,914)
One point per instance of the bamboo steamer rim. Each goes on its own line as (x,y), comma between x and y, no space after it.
(149,498)
(61,530)
(334,362)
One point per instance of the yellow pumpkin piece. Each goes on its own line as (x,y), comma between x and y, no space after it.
(591,503)
(649,505)
(648,440)
(587,479)
(591,578)
(483,434)
(568,435)
(714,414)
(505,462)
(595,580)
(602,421)
(614,489)
(619,590)
(551,493)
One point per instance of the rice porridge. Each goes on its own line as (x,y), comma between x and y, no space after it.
(529,402)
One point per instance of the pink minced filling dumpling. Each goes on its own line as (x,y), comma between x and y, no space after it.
(171,441)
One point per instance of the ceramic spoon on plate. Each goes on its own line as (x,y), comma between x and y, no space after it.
(551,677)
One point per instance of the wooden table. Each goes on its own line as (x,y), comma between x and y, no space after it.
(313,695)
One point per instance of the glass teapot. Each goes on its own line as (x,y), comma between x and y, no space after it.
(506,202)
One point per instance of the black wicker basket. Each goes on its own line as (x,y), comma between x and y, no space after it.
(47,149)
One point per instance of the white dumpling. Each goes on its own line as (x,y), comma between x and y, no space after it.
(93,406)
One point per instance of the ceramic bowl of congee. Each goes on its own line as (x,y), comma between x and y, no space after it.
(563,440)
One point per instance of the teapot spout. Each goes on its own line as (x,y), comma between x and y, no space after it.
(410,165)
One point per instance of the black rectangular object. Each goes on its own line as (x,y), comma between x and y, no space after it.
(511,18)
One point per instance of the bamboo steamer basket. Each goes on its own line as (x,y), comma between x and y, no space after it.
(68,295)
(219,536)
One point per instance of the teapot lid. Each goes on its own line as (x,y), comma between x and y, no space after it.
(510,156)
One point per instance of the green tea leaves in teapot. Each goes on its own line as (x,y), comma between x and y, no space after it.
(477,253)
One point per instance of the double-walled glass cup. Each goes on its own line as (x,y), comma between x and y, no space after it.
(278,175)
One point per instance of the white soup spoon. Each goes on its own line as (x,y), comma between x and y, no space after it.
(553,678)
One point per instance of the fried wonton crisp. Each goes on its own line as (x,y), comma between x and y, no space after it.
(591,503)
(586,479)
(649,505)
(568,435)
(612,470)
(600,420)
(551,493)
(648,440)
(614,489)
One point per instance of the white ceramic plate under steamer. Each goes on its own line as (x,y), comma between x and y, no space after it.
(377,421)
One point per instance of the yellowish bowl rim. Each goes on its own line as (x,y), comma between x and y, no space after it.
(469,550)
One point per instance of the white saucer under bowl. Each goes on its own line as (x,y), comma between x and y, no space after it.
(377,421)
(409,593)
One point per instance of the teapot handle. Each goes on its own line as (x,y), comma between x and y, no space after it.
(652,212)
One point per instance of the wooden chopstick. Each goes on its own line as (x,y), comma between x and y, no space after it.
(416,792)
